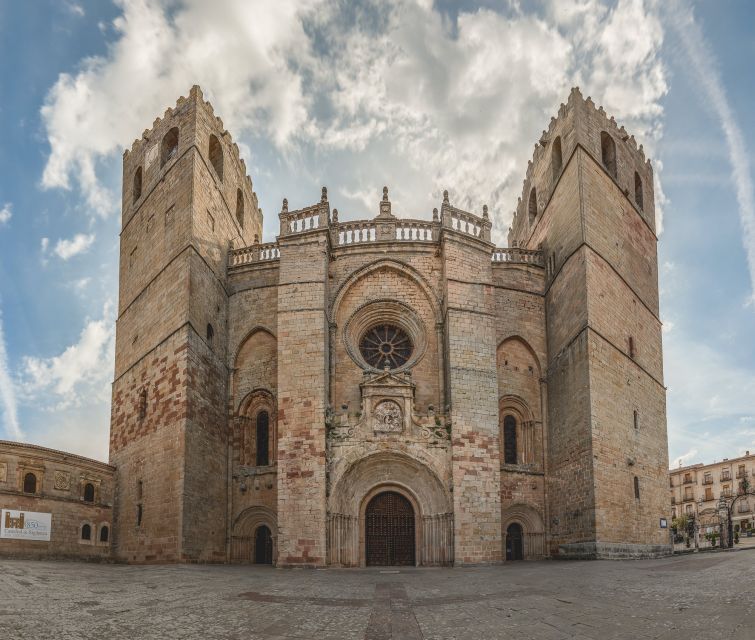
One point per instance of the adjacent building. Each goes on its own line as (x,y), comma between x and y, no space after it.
(696,489)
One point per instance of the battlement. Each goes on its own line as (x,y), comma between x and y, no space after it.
(579,123)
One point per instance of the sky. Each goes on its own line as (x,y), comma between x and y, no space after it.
(418,95)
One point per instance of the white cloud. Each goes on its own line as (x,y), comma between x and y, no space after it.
(81,373)
(689,457)
(76,9)
(5,213)
(391,91)
(8,392)
(702,63)
(66,249)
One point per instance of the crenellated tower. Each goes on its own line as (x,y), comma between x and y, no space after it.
(588,205)
(186,201)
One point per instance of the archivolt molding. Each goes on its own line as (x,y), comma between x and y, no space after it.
(526,345)
(385,263)
(249,519)
(255,329)
(524,514)
(517,407)
(257,399)
(384,469)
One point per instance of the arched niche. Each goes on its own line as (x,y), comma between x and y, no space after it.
(244,528)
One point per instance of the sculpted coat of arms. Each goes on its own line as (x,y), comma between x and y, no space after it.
(62,480)
(387,417)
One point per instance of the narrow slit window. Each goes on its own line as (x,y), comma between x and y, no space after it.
(137,190)
(215,152)
(636,420)
(532,206)
(263,439)
(608,152)
(638,190)
(636,488)
(509,440)
(556,158)
(240,207)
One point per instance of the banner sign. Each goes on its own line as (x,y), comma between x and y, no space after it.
(25,525)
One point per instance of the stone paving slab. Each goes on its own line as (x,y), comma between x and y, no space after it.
(694,596)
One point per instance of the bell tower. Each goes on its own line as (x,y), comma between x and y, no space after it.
(186,201)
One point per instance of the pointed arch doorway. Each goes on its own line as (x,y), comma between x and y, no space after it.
(390,530)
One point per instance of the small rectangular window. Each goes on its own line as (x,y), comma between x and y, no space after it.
(139,513)
(636,487)
(636,419)
(631,347)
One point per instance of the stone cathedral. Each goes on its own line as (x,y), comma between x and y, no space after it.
(392,390)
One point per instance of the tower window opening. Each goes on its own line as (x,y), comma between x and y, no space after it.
(88,492)
(215,152)
(240,207)
(608,152)
(30,483)
(532,206)
(631,347)
(137,188)
(210,333)
(636,419)
(509,440)
(263,438)
(638,190)
(139,515)
(636,488)
(556,158)
(169,148)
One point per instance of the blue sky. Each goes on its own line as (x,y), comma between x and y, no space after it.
(417,95)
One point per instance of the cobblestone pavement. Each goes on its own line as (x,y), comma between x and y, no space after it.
(707,595)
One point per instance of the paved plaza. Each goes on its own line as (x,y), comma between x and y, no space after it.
(707,595)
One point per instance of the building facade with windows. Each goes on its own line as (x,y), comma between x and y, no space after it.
(695,490)
(389,390)
(54,504)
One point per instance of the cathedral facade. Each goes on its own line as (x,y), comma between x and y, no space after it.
(390,390)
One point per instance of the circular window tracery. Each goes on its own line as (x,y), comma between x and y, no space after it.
(386,345)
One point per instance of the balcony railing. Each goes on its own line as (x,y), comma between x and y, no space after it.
(742,473)
(689,498)
(725,477)
(689,481)
(708,481)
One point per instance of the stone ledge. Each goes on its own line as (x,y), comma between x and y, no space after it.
(611,551)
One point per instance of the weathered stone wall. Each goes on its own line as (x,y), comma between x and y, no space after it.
(60,481)
(303,346)
(473,390)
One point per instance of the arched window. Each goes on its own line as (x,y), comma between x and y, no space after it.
(263,438)
(608,152)
(137,190)
(215,152)
(638,190)
(636,487)
(532,206)
(240,207)
(509,440)
(556,159)
(86,532)
(104,534)
(30,483)
(210,333)
(88,492)
(169,148)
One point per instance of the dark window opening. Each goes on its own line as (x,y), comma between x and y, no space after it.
(509,440)
(216,156)
(556,159)
(137,190)
(88,492)
(169,146)
(263,545)
(631,347)
(104,534)
(240,207)
(636,487)
(608,152)
(142,404)
(210,333)
(263,438)
(638,190)
(514,542)
(86,532)
(30,483)
(139,515)
(386,345)
(139,489)
(532,206)
(636,419)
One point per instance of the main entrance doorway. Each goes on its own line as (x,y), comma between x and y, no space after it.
(263,546)
(514,547)
(389,530)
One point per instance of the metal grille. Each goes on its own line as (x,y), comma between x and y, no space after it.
(389,530)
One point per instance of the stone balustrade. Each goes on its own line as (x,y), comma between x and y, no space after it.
(253,253)
(515,255)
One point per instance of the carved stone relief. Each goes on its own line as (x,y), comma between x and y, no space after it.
(387,417)
(62,481)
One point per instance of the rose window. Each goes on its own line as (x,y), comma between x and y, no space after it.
(386,345)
